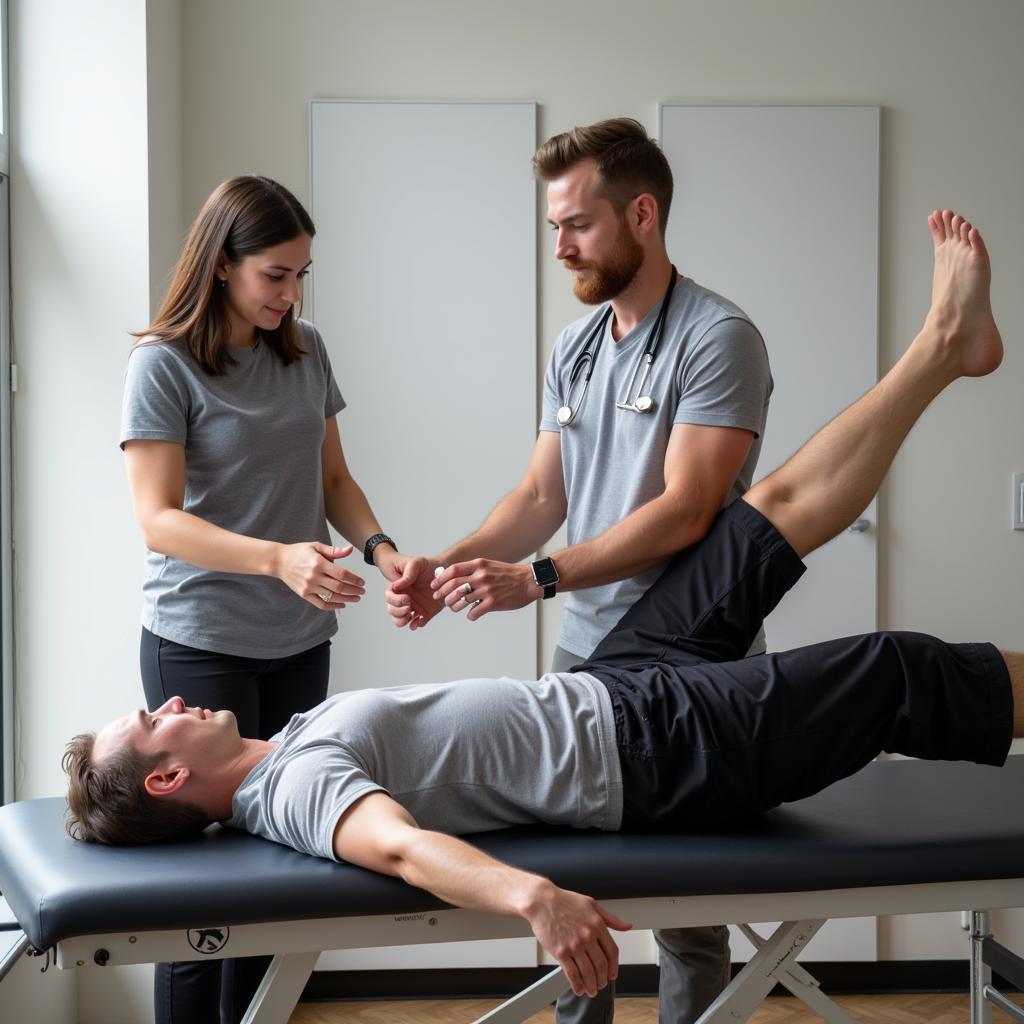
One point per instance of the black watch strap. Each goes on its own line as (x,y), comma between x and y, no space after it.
(545,575)
(371,544)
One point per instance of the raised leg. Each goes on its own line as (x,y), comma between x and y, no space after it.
(831,479)
(709,602)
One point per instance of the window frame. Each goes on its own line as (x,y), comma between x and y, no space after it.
(6,372)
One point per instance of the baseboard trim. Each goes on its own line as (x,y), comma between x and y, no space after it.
(836,978)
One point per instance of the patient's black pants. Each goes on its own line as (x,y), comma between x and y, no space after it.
(706,736)
(263,694)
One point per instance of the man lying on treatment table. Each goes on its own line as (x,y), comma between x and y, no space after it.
(667,726)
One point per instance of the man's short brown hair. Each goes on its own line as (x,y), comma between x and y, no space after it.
(629,162)
(108,802)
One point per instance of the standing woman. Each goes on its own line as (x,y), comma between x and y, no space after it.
(235,467)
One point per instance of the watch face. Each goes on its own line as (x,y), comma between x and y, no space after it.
(544,572)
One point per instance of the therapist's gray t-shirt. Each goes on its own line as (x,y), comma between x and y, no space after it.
(711,369)
(468,756)
(252,441)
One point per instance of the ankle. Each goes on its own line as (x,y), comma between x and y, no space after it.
(936,351)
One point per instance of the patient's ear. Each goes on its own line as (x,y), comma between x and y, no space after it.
(165,783)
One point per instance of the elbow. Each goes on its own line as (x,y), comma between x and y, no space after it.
(551,508)
(337,480)
(404,869)
(152,535)
(700,525)
(687,525)
(406,857)
(389,853)
(151,539)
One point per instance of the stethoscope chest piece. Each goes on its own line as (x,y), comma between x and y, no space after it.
(565,416)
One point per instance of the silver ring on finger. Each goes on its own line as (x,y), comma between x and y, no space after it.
(467,588)
(326,596)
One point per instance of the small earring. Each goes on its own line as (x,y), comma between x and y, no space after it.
(223,281)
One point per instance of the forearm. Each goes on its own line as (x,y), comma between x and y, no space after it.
(519,524)
(349,512)
(461,875)
(645,538)
(570,926)
(379,834)
(188,538)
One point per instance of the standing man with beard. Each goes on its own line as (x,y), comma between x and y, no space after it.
(654,407)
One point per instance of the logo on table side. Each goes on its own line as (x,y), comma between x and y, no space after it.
(208,940)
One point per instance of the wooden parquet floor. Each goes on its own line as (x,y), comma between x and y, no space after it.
(899,1009)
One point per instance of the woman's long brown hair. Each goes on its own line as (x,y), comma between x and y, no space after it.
(244,215)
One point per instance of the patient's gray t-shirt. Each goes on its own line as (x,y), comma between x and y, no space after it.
(252,441)
(711,369)
(468,756)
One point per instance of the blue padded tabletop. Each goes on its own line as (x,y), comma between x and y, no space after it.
(893,823)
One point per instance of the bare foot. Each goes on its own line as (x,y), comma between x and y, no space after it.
(961,310)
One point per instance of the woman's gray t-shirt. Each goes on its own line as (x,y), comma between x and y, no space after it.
(468,756)
(252,441)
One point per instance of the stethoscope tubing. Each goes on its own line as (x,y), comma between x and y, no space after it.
(584,361)
(587,358)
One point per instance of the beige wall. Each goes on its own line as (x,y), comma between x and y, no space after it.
(112,157)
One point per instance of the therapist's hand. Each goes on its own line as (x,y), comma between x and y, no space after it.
(409,598)
(483,585)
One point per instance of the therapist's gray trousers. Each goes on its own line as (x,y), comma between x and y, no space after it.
(694,962)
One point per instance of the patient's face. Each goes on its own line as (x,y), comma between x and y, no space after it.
(194,737)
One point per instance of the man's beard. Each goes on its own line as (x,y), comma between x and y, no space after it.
(611,276)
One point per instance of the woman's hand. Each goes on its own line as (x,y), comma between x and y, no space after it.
(308,569)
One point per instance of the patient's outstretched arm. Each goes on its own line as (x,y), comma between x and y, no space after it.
(379,834)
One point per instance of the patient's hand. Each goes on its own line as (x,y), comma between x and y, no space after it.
(409,598)
(574,929)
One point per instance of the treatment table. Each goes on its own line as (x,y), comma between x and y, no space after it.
(899,837)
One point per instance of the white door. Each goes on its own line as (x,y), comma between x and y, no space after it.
(434,349)
(433,341)
(777,209)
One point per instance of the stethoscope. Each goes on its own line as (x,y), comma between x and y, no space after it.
(585,363)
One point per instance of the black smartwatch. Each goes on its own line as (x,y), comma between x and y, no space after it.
(371,544)
(545,575)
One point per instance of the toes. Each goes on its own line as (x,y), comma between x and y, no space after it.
(965,231)
(977,242)
(947,223)
(936,228)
